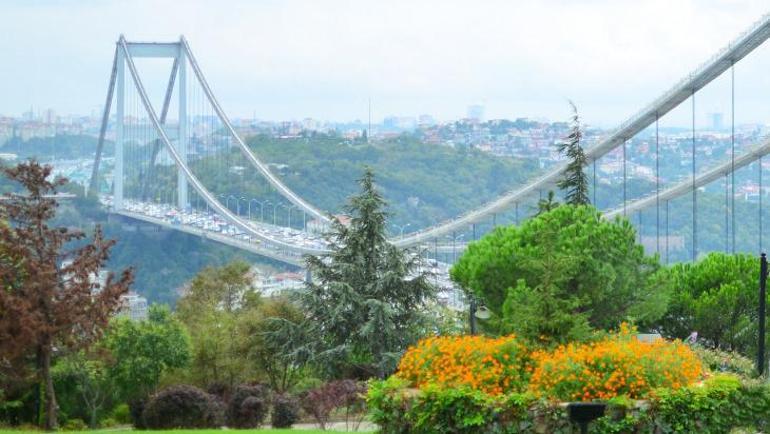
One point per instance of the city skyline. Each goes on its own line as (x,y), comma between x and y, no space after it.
(301,59)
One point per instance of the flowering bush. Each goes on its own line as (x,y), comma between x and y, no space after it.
(619,365)
(494,366)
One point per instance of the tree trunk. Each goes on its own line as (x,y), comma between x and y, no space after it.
(51,420)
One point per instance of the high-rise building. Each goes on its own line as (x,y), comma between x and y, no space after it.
(717,121)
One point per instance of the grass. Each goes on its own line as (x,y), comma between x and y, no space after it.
(191,431)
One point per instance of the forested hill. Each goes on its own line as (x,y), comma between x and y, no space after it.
(423,183)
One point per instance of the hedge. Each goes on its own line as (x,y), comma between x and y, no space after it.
(717,405)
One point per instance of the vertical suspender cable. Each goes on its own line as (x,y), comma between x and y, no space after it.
(657,187)
(594,181)
(732,154)
(694,190)
(516,212)
(624,178)
(727,216)
(760,204)
(667,232)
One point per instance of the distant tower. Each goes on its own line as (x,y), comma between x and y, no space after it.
(717,121)
(369,129)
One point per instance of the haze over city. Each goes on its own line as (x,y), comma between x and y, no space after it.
(291,60)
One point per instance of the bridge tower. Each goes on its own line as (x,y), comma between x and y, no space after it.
(127,51)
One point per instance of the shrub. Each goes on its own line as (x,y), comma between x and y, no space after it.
(493,366)
(248,406)
(321,401)
(726,361)
(617,365)
(121,414)
(183,406)
(75,425)
(108,423)
(719,405)
(136,409)
(285,411)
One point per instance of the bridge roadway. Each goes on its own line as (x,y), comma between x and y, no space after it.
(212,227)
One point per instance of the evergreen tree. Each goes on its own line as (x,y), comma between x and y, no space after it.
(547,204)
(367,299)
(575,182)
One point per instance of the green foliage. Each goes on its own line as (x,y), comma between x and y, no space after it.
(145,350)
(575,182)
(560,274)
(264,345)
(718,406)
(547,204)
(212,308)
(446,180)
(717,297)
(75,425)
(398,410)
(364,305)
(85,383)
(121,414)
(726,361)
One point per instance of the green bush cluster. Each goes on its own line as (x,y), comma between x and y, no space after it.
(719,405)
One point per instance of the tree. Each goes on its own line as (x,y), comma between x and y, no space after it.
(50,298)
(142,351)
(547,204)
(266,348)
(211,309)
(367,299)
(559,270)
(575,182)
(88,371)
(717,297)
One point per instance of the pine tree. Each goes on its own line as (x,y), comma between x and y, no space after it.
(367,299)
(50,298)
(575,182)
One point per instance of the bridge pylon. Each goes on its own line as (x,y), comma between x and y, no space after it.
(117,89)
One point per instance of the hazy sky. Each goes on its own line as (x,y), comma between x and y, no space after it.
(324,59)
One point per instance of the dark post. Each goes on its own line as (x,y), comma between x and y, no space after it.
(473,315)
(584,413)
(762,313)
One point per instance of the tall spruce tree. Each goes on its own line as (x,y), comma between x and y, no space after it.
(49,300)
(367,299)
(575,182)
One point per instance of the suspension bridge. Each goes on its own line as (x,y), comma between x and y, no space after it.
(178,162)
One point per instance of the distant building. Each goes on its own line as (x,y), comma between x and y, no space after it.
(717,121)
(280,284)
(426,121)
(133,306)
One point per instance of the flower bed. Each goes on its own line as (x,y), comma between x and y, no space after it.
(492,366)
(478,384)
(620,365)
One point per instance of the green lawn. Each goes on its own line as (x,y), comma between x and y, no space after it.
(192,431)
